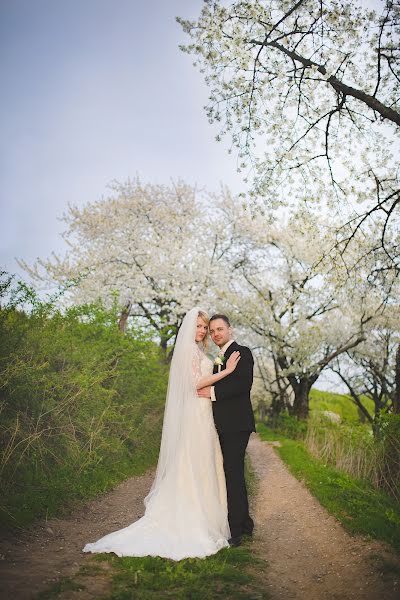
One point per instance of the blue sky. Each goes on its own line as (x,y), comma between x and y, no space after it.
(92,91)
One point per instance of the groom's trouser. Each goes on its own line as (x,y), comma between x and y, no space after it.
(233,446)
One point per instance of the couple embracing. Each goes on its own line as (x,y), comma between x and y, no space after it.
(198,501)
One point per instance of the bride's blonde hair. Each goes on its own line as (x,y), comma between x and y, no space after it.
(206,320)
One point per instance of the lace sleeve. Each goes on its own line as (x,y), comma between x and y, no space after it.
(196,366)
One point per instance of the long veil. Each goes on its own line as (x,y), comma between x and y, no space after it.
(179,410)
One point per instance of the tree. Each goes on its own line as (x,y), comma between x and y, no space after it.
(160,247)
(369,371)
(309,93)
(301,317)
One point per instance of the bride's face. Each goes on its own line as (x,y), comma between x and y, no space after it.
(201,330)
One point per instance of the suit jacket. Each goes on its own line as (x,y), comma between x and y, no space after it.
(232,409)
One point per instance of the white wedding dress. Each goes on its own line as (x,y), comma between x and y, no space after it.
(186,509)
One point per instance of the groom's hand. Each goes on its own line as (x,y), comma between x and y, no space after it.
(205,392)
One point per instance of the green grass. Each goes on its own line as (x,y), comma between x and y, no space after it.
(338,403)
(67,490)
(229,574)
(356,504)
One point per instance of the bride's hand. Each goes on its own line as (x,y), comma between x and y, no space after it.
(232,361)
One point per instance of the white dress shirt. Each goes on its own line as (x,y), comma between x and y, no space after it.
(222,351)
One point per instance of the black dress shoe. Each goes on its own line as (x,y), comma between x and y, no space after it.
(235,541)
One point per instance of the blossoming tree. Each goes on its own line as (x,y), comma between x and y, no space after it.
(309,94)
(301,313)
(160,247)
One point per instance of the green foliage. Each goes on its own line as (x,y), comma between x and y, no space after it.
(354,449)
(288,426)
(339,404)
(296,429)
(337,441)
(81,405)
(360,507)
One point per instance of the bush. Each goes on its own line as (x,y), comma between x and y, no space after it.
(288,426)
(81,405)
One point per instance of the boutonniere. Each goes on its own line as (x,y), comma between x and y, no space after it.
(219,361)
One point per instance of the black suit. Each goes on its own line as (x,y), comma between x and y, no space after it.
(234,420)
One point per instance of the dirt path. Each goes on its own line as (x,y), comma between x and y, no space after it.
(31,562)
(310,556)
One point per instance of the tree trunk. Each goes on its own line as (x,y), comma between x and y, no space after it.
(361,415)
(279,403)
(164,348)
(124,317)
(301,398)
(262,410)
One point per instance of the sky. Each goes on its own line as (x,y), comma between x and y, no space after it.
(95,91)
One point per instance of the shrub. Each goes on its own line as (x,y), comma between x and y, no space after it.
(81,405)
(288,426)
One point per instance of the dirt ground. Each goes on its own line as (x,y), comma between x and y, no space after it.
(32,561)
(310,556)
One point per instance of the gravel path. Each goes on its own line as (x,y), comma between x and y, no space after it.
(309,554)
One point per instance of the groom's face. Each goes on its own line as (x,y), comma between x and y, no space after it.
(220,332)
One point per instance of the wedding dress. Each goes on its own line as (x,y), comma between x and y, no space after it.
(186,508)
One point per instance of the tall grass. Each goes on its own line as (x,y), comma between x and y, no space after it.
(80,407)
(354,450)
(350,449)
(348,446)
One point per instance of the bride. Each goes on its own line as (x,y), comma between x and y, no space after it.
(186,508)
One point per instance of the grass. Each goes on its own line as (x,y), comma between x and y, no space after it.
(67,490)
(338,403)
(355,503)
(225,575)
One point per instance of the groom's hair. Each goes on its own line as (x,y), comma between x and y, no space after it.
(219,316)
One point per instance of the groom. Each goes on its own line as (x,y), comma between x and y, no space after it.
(234,421)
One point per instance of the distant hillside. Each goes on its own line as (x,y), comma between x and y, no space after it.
(338,403)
